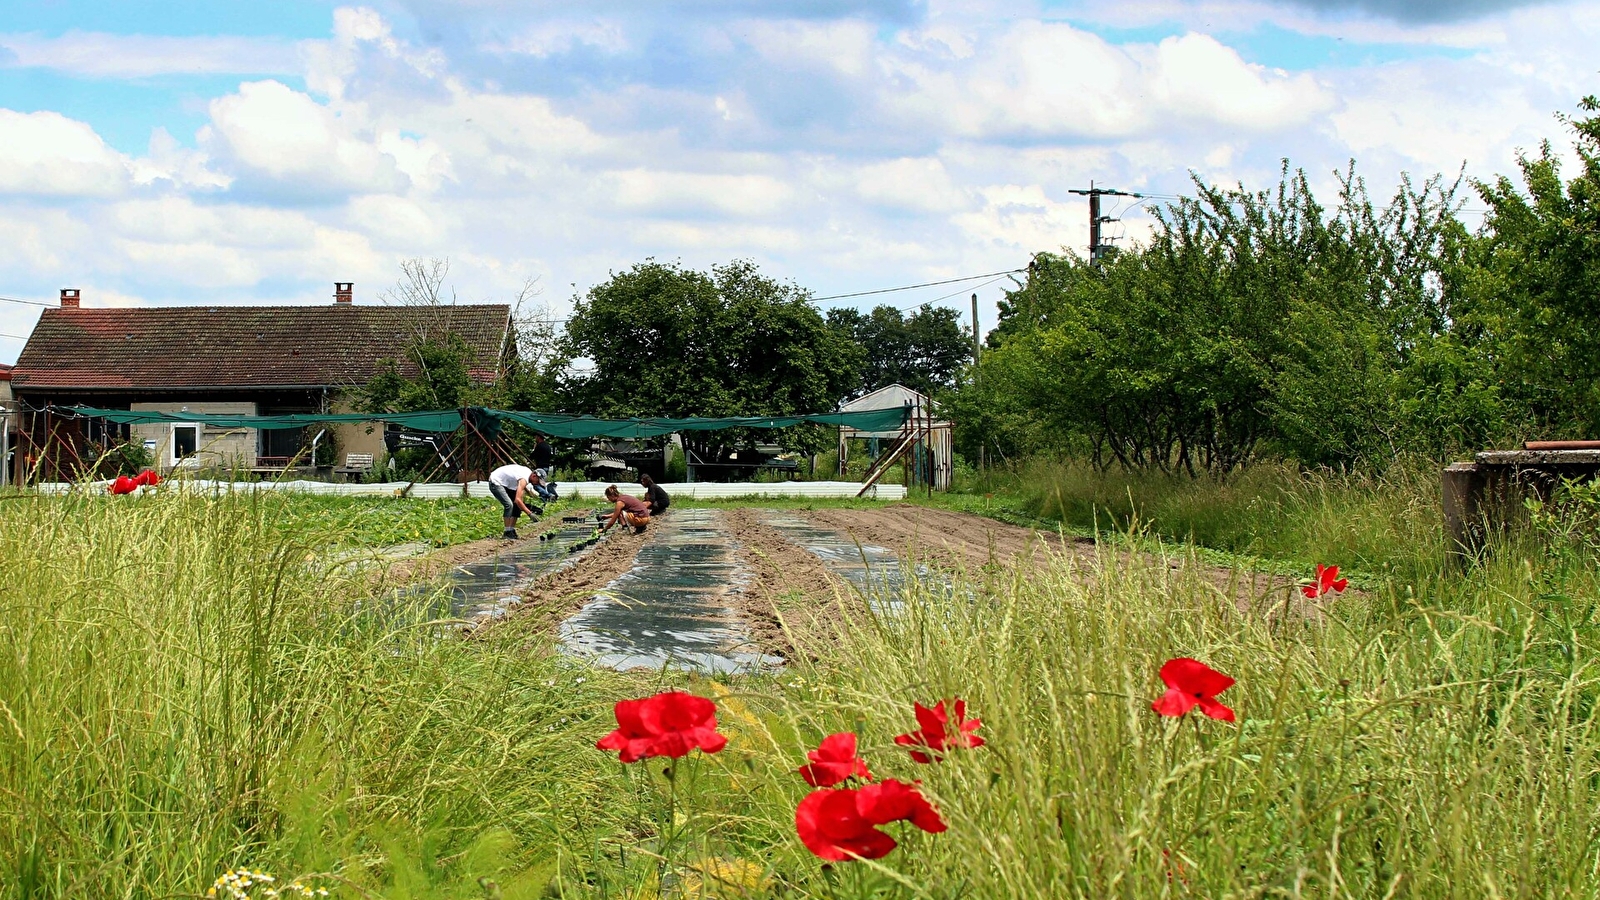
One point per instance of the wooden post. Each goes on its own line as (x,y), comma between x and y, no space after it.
(977,346)
(466,453)
(1463,486)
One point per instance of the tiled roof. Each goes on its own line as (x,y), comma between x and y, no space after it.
(5,372)
(191,347)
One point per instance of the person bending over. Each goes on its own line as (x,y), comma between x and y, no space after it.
(627,509)
(539,484)
(655,496)
(509,485)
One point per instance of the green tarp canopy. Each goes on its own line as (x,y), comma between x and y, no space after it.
(553,424)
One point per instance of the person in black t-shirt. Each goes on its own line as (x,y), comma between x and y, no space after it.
(654,495)
(543,454)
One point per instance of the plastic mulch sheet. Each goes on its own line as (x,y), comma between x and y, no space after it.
(672,608)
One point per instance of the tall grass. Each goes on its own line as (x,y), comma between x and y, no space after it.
(1433,740)
(180,692)
(1388,523)
(185,690)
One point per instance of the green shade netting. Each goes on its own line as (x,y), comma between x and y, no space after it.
(553,424)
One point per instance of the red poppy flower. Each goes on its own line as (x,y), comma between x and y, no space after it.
(1192,683)
(669,724)
(147,477)
(843,823)
(895,801)
(935,735)
(123,485)
(1327,580)
(834,761)
(830,824)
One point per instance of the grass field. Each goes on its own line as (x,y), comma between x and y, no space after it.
(183,694)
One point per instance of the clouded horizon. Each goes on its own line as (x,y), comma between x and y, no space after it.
(188,152)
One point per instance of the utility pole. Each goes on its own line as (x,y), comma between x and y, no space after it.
(976,349)
(1099,248)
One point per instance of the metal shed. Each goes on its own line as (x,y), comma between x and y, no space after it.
(926,443)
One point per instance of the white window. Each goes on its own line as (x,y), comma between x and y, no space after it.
(185,442)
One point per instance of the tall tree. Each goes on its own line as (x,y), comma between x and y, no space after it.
(670,341)
(1252,322)
(923,351)
(1530,286)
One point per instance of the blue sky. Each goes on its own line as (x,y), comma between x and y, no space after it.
(255,152)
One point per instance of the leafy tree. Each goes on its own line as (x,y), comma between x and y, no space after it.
(1529,288)
(1251,322)
(923,351)
(433,367)
(668,341)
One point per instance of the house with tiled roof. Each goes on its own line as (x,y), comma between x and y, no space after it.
(233,360)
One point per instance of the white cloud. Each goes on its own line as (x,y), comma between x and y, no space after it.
(168,160)
(693,193)
(274,130)
(914,184)
(48,153)
(139,56)
(844,152)
(847,47)
(1043,80)
(556,36)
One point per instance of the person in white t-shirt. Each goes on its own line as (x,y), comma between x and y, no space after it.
(509,485)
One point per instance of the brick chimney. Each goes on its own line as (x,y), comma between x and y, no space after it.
(344,292)
(69,298)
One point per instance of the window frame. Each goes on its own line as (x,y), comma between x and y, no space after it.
(173,445)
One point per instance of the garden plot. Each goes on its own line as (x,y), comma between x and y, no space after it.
(877,572)
(701,589)
(673,607)
(490,587)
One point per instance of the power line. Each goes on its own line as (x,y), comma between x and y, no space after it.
(28,302)
(976,287)
(7,334)
(912,287)
(992,276)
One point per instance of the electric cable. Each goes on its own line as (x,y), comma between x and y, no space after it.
(912,287)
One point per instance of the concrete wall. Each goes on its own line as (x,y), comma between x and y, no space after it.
(361,437)
(9,423)
(218,447)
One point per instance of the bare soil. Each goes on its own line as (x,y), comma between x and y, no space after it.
(948,539)
(791,603)
(955,541)
(554,596)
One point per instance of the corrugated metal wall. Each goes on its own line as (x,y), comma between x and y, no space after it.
(587,490)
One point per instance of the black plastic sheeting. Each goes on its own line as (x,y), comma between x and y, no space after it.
(490,587)
(671,609)
(876,572)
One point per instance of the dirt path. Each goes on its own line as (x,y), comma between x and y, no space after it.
(791,602)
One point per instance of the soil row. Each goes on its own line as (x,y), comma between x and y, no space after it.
(791,602)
